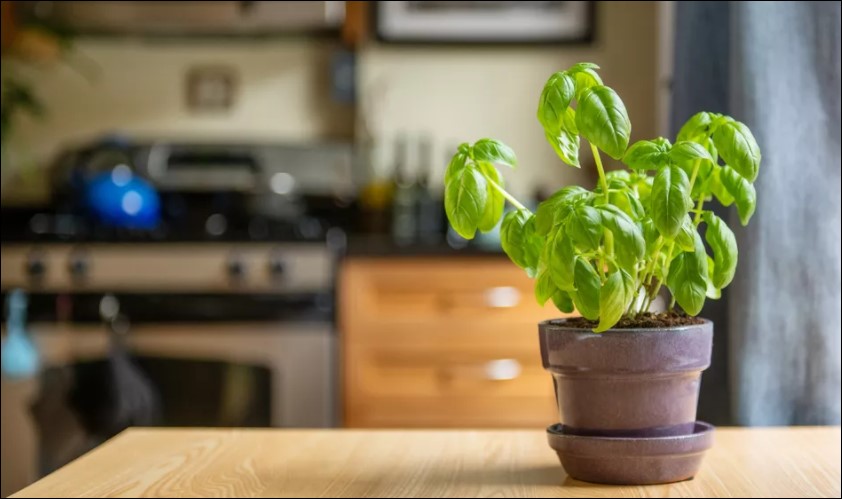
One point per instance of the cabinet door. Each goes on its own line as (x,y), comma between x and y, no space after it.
(442,343)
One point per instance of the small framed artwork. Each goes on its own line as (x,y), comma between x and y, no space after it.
(480,22)
(211,88)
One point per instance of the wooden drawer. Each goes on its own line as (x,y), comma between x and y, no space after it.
(452,293)
(487,385)
(442,343)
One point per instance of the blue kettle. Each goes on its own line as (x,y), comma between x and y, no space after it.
(120,198)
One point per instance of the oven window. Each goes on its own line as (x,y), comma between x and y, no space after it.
(84,404)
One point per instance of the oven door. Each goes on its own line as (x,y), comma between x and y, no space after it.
(286,369)
(205,374)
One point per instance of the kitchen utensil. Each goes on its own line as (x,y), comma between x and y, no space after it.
(19,355)
(124,396)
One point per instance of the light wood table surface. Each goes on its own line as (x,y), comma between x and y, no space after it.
(780,462)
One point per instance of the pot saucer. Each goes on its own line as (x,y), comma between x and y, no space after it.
(631,461)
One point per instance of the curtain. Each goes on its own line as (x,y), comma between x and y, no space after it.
(776,67)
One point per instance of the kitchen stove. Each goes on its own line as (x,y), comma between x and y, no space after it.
(228,303)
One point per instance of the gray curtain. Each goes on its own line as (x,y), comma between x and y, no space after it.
(775,67)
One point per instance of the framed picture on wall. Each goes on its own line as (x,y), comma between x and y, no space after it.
(517,21)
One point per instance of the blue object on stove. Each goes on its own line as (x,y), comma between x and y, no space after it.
(122,199)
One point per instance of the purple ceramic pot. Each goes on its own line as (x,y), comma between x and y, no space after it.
(626,382)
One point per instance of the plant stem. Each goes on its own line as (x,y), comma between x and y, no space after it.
(657,289)
(505,194)
(608,237)
(602,181)
(650,268)
(695,174)
(601,266)
(647,302)
(698,210)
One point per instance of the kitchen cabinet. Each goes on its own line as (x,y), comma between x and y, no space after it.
(441,342)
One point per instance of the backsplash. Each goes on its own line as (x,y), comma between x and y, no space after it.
(282,93)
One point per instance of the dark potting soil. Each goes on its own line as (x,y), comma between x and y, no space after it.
(645,320)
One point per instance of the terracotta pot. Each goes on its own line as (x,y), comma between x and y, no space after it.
(624,382)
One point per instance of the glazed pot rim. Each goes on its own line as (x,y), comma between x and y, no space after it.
(549,325)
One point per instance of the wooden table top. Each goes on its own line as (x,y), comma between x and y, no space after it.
(783,462)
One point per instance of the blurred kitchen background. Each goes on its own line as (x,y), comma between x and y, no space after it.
(229,213)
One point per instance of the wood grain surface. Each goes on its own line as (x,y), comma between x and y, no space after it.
(780,462)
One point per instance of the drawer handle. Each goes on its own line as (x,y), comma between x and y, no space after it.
(502,369)
(502,297)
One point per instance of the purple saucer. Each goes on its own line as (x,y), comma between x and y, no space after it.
(631,461)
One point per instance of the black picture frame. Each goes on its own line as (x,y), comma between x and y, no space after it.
(585,36)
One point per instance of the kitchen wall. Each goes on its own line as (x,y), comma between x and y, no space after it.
(463,94)
(454,93)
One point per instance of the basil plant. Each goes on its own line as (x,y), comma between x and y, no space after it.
(608,251)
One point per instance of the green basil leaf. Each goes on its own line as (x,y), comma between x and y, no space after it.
(736,145)
(711,149)
(519,240)
(670,200)
(551,209)
(629,244)
(687,153)
(534,246)
(465,199)
(602,119)
(620,175)
(717,120)
(724,246)
(646,155)
(586,296)
(741,190)
(561,260)
(626,201)
(712,292)
(495,203)
(554,101)
(545,288)
(457,164)
(581,66)
(685,238)
(565,145)
(687,278)
(662,142)
(585,227)
(562,301)
(494,151)
(585,79)
(614,296)
(717,188)
(696,127)
(465,148)
(568,122)
(650,235)
(642,184)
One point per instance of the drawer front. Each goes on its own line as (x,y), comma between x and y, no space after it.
(442,343)
(459,291)
(481,386)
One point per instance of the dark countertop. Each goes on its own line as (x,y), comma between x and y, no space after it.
(384,246)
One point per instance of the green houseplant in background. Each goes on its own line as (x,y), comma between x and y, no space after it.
(619,371)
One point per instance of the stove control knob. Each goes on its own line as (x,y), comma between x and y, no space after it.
(78,266)
(277,267)
(236,269)
(35,267)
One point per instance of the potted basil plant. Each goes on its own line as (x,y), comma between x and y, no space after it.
(626,380)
